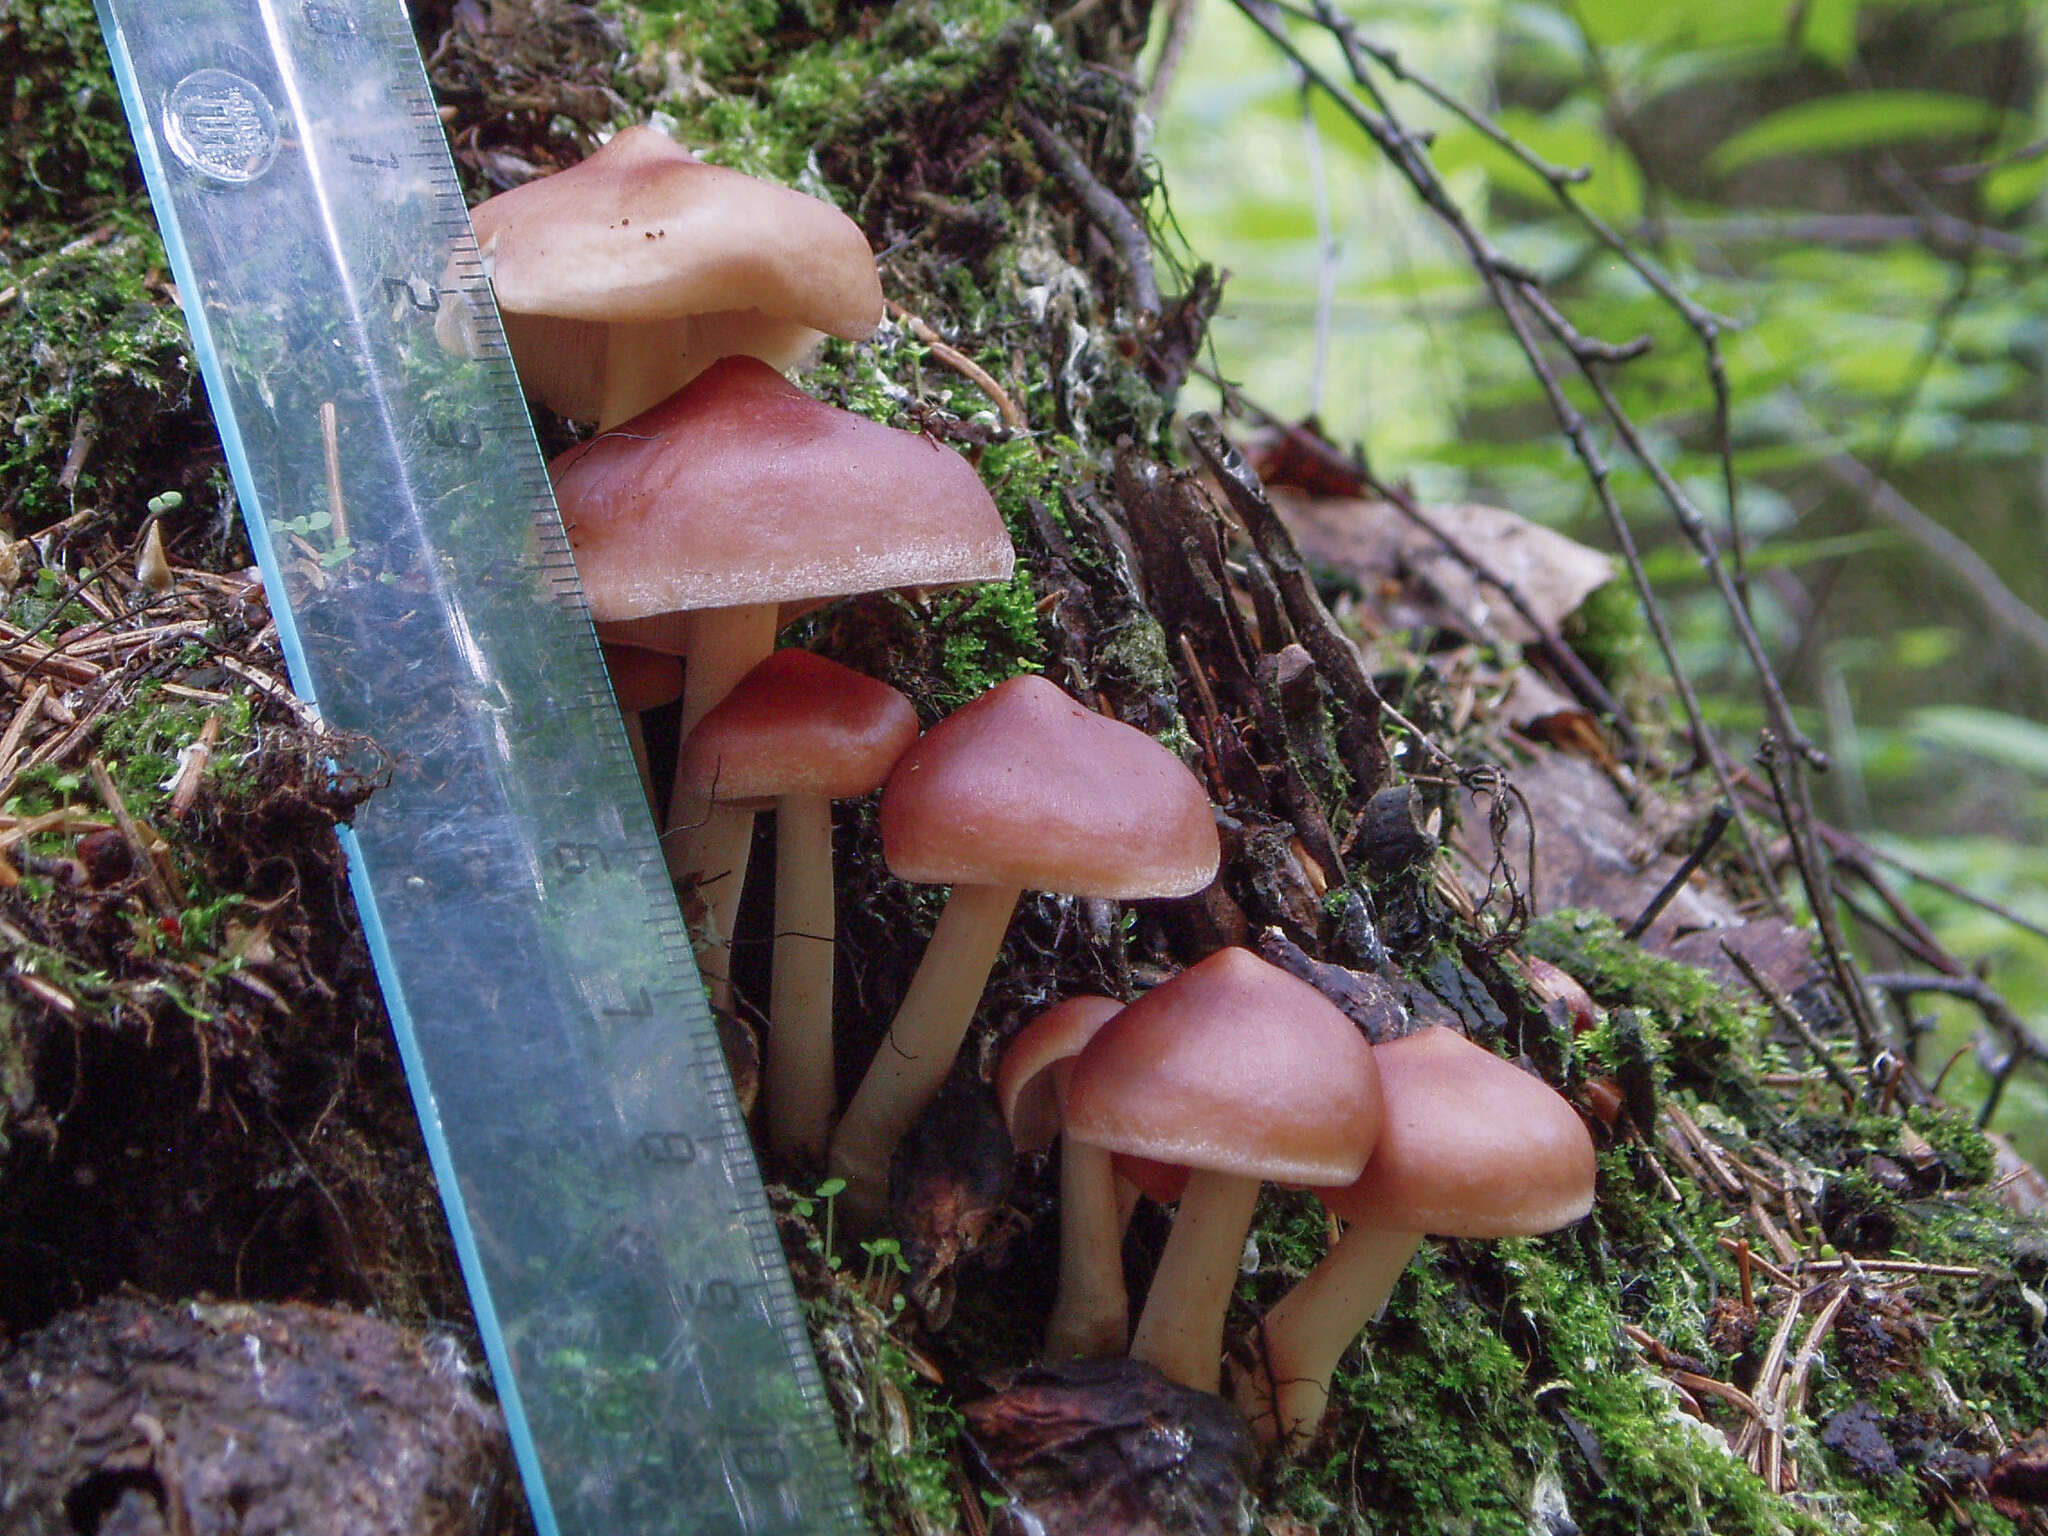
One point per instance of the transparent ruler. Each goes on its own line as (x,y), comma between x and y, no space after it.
(638,1317)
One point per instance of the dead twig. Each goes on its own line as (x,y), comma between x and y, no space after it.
(1841,841)
(2025,1045)
(1513,289)
(963,365)
(1795,815)
(1782,1009)
(192,763)
(1108,212)
(1710,834)
(158,878)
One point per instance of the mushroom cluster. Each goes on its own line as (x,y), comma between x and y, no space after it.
(660,297)
(1234,1074)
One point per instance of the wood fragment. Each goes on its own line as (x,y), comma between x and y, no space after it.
(192,763)
(1205,727)
(1710,1154)
(1781,1245)
(1663,1178)
(1681,1153)
(150,854)
(58,749)
(30,661)
(1740,1246)
(10,740)
(65,818)
(1727,1391)
(963,365)
(271,688)
(330,439)
(196,695)
(48,993)
(1770,1376)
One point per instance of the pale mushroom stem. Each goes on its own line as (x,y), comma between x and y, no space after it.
(923,1039)
(1091,1316)
(644,363)
(704,841)
(1283,1393)
(798,1074)
(1180,1332)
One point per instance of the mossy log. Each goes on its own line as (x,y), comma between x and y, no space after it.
(1790,1312)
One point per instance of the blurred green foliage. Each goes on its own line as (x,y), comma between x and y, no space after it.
(1855,187)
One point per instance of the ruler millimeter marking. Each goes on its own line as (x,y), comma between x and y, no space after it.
(628,1282)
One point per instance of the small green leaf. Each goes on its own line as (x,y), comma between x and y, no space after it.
(1828,30)
(1924,646)
(1862,120)
(1985,733)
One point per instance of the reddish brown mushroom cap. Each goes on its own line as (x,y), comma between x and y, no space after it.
(643,680)
(1031,1078)
(1161,1183)
(644,230)
(644,233)
(741,489)
(1026,788)
(798,724)
(1472,1147)
(1233,1066)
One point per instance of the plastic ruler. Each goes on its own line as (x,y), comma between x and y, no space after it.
(639,1320)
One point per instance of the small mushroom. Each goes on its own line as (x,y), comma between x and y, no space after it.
(642,680)
(1091,1314)
(1471,1147)
(697,520)
(1021,790)
(798,732)
(626,275)
(1239,1073)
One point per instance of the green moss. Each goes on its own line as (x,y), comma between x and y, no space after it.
(92,352)
(1135,659)
(1610,632)
(1965,1153)
(64,146)
(1700,1032)
(17,1072)
(47,603)
(915,1471)
(761,85)
(143,741)
(986,634)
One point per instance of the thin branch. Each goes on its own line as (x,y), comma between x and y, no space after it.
(1571,666)
(1691,522)
(1717,823)
(1707,326)
(1978,170)
(1944,234)
(1181,16)
(1109,212)
(1841,841)
(1508,283)
(1997,1012)
(1781,1006)
(1795,815)
(1992,595)
(1326,246)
